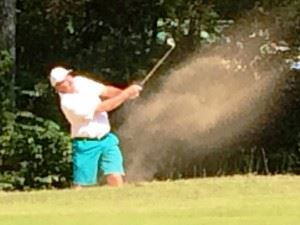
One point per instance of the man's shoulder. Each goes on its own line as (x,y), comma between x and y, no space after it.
(71,100)
(87,85)
(82,83)
(81,80)
(66,97)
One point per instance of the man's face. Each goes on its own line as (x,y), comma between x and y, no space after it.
(65,86)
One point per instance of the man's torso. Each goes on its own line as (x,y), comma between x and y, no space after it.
(79,109)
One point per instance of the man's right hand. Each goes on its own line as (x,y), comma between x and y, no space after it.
(133,91)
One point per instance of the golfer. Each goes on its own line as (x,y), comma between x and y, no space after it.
(85,104)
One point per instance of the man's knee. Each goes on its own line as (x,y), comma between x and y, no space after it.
(115,180)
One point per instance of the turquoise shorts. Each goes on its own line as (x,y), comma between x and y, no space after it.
(91,156)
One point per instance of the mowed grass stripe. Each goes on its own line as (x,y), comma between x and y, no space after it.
(226,200)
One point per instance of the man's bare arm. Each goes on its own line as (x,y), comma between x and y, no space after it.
(110,92)
(114,102)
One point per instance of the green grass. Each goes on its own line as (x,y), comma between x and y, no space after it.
(238,200)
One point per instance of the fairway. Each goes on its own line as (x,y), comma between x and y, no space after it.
(272,200)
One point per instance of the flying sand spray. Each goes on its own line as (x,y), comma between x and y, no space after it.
(208,103)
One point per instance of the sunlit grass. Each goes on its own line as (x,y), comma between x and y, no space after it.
(227,200)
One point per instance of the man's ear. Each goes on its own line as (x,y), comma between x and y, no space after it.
(70,76)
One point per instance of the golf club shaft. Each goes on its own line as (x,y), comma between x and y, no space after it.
(157,66)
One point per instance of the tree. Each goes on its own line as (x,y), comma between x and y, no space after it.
(7,38)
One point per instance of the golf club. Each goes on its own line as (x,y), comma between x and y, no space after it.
(170,41)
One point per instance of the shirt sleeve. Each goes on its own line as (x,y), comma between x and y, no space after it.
(79,108)
(86,85)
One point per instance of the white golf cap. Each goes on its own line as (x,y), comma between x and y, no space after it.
(58,74)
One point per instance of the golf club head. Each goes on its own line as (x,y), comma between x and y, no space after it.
(171,42)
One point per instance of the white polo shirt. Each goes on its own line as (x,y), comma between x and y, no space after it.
(79,109)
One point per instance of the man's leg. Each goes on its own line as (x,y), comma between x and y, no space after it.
(76,187)
(115,180)
(111,162)
(86,155)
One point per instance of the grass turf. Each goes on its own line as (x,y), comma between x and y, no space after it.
(233,200)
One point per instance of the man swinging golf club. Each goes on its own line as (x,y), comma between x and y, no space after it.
(85,104)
